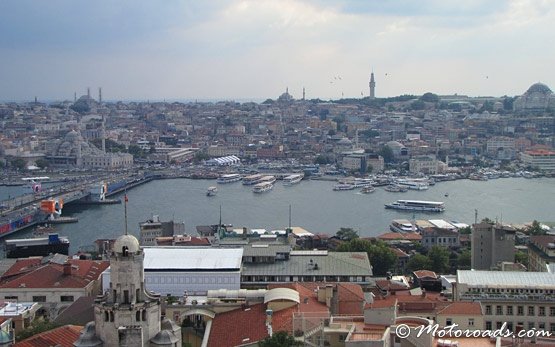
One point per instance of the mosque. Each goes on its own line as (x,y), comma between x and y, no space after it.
(536,100)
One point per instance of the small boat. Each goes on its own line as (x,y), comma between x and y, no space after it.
(211,191)
(43,229)
(446,194)
(263,187)
(395,188)
(343,186)
(367,190)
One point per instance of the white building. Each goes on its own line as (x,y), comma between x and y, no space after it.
(174,270)
(541,159)
(428,165)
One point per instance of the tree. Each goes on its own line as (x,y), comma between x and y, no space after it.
(417,105)
(42,163)
(429,97)
(439,258)
(522,258)
(382,258)
(464,260)
(465,230)
(346,234)
(279,339)
(18,163)
(535,229)
(36,327)
(387,153)
(369,168)
(322,159)
(419,262)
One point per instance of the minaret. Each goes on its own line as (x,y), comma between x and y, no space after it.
(89,92)
(100,95)
(372,86)
(103,134)
(74,97)
(303,94)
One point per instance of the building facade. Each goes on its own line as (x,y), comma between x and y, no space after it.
(492,244)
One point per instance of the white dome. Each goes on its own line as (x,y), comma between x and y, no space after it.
(128,241)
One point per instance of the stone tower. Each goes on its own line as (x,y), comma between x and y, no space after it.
(127,315)
(372,86)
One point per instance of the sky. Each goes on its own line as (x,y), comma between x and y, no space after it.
(255,49)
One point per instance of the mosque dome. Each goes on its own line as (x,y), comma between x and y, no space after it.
(539,88)
(164,338)
(128,242)
(73,137)
(344,142)
(88,337)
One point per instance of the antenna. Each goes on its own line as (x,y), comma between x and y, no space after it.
(475,216)
(220,224)
(125,209)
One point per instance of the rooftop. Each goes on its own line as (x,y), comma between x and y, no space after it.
(63,336)
(506,279)
(191,258)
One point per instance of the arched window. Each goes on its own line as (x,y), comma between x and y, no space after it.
(138,316)
(111,316)
(106,316)
(144,315)
(125,251)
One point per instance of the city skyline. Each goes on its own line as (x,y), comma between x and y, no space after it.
(255,49)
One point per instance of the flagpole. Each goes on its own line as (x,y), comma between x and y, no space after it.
(125,208)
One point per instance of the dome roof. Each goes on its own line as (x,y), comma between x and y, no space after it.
(344,141)
(168,324)
(539,88)
(164,337)
(128,241)
(88,337)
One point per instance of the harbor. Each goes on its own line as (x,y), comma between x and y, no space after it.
(315,206)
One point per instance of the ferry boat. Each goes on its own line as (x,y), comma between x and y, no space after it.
(413,184)
(267,179)
(229,178)
(343,186)
(393,188)
(292,179)
(252,179)
(262,187)
(417,205)
(40,246)
(401,226)
(211,191)
(367,190)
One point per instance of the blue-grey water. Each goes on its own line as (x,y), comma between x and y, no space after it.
(315,206)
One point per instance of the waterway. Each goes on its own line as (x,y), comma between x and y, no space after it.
(315,206)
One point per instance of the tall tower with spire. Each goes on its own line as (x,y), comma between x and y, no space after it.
(372,85)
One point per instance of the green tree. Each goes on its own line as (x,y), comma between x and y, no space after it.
(429,97)
(419,262)
(387,153)
(279,339)
(439,258)
(417,105)
(369,168)
(36,327)
(535,229)
(522,258)
(382,258)
(465,231)
(42,163)
(322,159)
(464,260)
(346,234)
(200,156)
(18,164)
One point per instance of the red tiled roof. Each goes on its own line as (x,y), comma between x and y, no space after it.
(389,285)
(63,336)
(52,275)
(424,273)
(463,308)
(399,253)
(22,266)
(400,236)
(239,327)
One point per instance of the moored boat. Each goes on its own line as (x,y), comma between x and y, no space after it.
(367,190)
(292,179)
(211,191)
(417,205)
(229,178)
(262,187)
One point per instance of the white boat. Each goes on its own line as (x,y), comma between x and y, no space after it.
(414,184)
(395,188)
(367,190)
(417,205)
(211,191)
(343,186)
(262,187)
(401,226)
(229,178)
(252,179)
(267,179)
(292,179)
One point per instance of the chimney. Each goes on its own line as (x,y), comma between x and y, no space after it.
(245,234)
(67,268)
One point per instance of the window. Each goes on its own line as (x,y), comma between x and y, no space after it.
(66,298)
(499,310)
(498,325)
(542,311)
(531,325)
(488,325)
(520,311)
(541,326)
(470,322)
(509,310)
(488,309)
(11,297)
(551,310)
(531,311)
(448,322)
(40,298)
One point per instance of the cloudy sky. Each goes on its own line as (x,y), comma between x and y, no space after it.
(254,49)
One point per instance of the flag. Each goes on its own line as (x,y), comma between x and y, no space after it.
(126,199)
